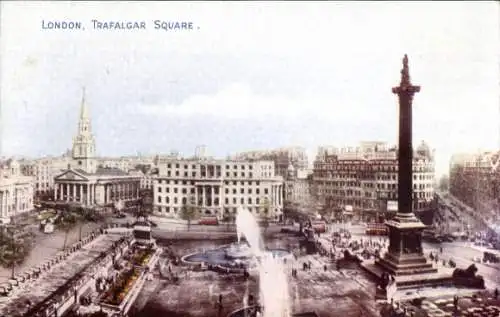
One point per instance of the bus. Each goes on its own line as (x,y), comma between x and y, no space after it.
(491,257)
(376,229)
(319,226)
(208,221)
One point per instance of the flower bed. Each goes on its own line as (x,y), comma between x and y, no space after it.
(141,257)
(117,292)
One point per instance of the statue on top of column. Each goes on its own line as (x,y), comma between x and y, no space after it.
(405,72)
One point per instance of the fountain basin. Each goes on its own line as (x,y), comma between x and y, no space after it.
(230,256)
(250,312)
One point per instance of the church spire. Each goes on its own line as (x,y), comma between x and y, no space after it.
(84,142)
(83,107)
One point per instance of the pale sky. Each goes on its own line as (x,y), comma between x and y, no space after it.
(250,75)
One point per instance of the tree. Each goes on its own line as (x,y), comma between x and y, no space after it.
(189,211)
(15,246)
(145,204)
(264,207)
(69,219)
(230,219)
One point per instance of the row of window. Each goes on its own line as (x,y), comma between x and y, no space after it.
(217,167)
(192,190)
(372,168)
(328,174)
(208,202)
(185,182)
(227,210)
(350,193)
(194,166)
(364,204)
(389,186)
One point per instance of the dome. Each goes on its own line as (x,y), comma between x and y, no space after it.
(14,164)
(291,168)
(423,149)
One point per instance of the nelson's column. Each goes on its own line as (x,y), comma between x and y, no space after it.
(405,259)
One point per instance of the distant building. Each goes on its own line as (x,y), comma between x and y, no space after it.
(85,182)
(475,179)
(16,191)
(146,175)
(365,177)
(282,158)
(125,163)
(298,189)
(43,171)
(218,187)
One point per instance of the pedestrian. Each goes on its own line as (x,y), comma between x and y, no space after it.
(496,293)
(455,302)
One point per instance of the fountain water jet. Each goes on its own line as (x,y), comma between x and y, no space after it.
(247,226)
(274,295)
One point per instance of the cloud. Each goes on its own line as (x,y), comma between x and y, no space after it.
(235,101)
(240,101)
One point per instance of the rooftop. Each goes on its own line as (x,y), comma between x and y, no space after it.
(104,171)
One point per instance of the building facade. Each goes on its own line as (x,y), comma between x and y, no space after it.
(365,178)
(125,163)
(475,180)
(282,158)
(16,191)
(147,176)
(218,188)
(297,186)
(43,171)
(85,182)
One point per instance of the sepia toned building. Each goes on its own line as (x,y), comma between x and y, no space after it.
(281,157)
(365,178)
(16,191)
(475,179)
(85,182)
(43,171)
(218,187)
(297,185)
(125,163)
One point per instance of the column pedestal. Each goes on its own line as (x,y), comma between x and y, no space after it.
(405,255)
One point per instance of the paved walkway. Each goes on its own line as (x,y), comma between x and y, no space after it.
(37,290)
(46,246)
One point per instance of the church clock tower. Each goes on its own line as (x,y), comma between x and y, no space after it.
(84,143)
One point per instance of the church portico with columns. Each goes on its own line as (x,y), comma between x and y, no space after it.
(103,188)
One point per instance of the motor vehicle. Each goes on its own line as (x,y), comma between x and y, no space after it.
(491,257)
(153,224)
(447,238)
(120,215)
(208,221)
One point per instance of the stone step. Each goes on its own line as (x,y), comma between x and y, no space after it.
(415,271)
(406,269)
(424,282)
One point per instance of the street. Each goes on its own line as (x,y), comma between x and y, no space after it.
(47,245)
(463,253)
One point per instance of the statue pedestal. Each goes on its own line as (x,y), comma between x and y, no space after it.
(405,256)
(405,261)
